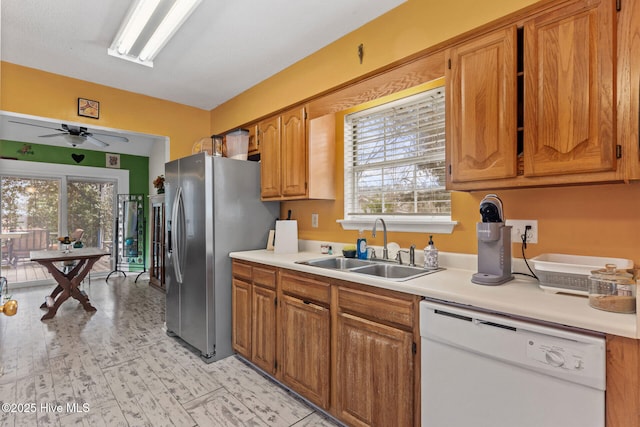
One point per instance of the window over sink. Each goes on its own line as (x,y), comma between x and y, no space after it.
(394,163)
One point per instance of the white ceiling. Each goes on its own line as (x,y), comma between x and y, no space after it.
(224,48)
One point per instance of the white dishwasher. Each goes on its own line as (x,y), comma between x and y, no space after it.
(487,370)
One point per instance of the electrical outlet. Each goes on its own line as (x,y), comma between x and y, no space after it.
(314,220)
(518,229)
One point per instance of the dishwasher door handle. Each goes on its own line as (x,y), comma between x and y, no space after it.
(480,322)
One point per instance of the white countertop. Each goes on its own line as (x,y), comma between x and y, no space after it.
(520,297)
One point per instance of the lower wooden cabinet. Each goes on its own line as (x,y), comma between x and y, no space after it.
(253,291)
(350,349)
(306,354)
(263,329)
(241,316)
(375,382)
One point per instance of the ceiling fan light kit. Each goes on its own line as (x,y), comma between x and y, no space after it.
(147,28)
(77,135)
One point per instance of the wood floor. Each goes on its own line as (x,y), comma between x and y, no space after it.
(117,367)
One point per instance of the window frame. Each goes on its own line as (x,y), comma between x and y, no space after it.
(442,224)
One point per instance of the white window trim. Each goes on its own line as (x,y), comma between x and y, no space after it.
(414,224)
(394,223)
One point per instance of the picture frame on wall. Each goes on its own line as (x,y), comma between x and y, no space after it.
(88,108)
(112,160)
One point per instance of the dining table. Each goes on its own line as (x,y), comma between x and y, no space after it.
(68,266)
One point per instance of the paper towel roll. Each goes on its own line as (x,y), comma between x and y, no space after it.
(286,237)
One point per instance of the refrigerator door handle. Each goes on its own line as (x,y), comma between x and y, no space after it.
(178,230)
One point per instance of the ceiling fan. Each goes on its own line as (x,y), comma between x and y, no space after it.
(76,135)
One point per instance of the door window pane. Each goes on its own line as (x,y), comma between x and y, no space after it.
(90,208)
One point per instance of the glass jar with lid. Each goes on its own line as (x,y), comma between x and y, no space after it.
(612,290)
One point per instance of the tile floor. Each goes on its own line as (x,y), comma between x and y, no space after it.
(117,367)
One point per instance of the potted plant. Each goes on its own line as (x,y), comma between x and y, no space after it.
(158,183)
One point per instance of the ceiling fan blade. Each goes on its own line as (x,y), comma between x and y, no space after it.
(96,141)
(106,135)
(52,135)
(39,126)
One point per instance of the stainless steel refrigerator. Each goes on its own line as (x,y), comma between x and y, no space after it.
(213,208)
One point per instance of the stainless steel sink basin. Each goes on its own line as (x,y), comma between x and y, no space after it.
(380,268)
(338,263)
(393,271)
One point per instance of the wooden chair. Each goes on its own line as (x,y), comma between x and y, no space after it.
(36,239)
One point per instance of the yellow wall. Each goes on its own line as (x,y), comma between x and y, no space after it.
(597,220)
(30,91)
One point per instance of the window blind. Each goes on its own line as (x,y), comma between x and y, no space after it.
(395,158)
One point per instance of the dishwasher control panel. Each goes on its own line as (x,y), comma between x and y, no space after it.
(559,355)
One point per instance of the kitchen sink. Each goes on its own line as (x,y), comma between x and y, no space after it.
(393,271)
(379,268)
(338,263)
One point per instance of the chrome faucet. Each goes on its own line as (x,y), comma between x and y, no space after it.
(385,250)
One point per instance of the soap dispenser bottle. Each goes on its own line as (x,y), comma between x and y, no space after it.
(431,255)
(361,245)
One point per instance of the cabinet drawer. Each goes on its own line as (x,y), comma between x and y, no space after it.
(384,308)
(264,277)
(241,270)
(305,288)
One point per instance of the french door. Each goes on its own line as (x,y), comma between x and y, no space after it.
(35,211)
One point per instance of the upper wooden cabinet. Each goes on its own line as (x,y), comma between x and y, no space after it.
(533,103)
(481,107)
(297,156)
(570,90)
(269,135)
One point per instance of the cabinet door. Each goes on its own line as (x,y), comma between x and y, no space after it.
(241,317)
(570,90)
(294,153)
(263,329)
(305,349)
(482,107)
(269,134)
(374,370)
(254,147)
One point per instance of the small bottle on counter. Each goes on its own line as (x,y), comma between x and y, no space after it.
(430,255)
(361,245)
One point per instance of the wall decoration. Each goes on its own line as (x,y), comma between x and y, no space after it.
(25,149)
(113,160)
(88,108)
(77,157)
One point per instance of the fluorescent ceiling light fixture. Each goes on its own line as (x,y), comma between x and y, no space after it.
(138,17)
(139,39)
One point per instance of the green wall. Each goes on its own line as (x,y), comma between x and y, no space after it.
(138,166)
